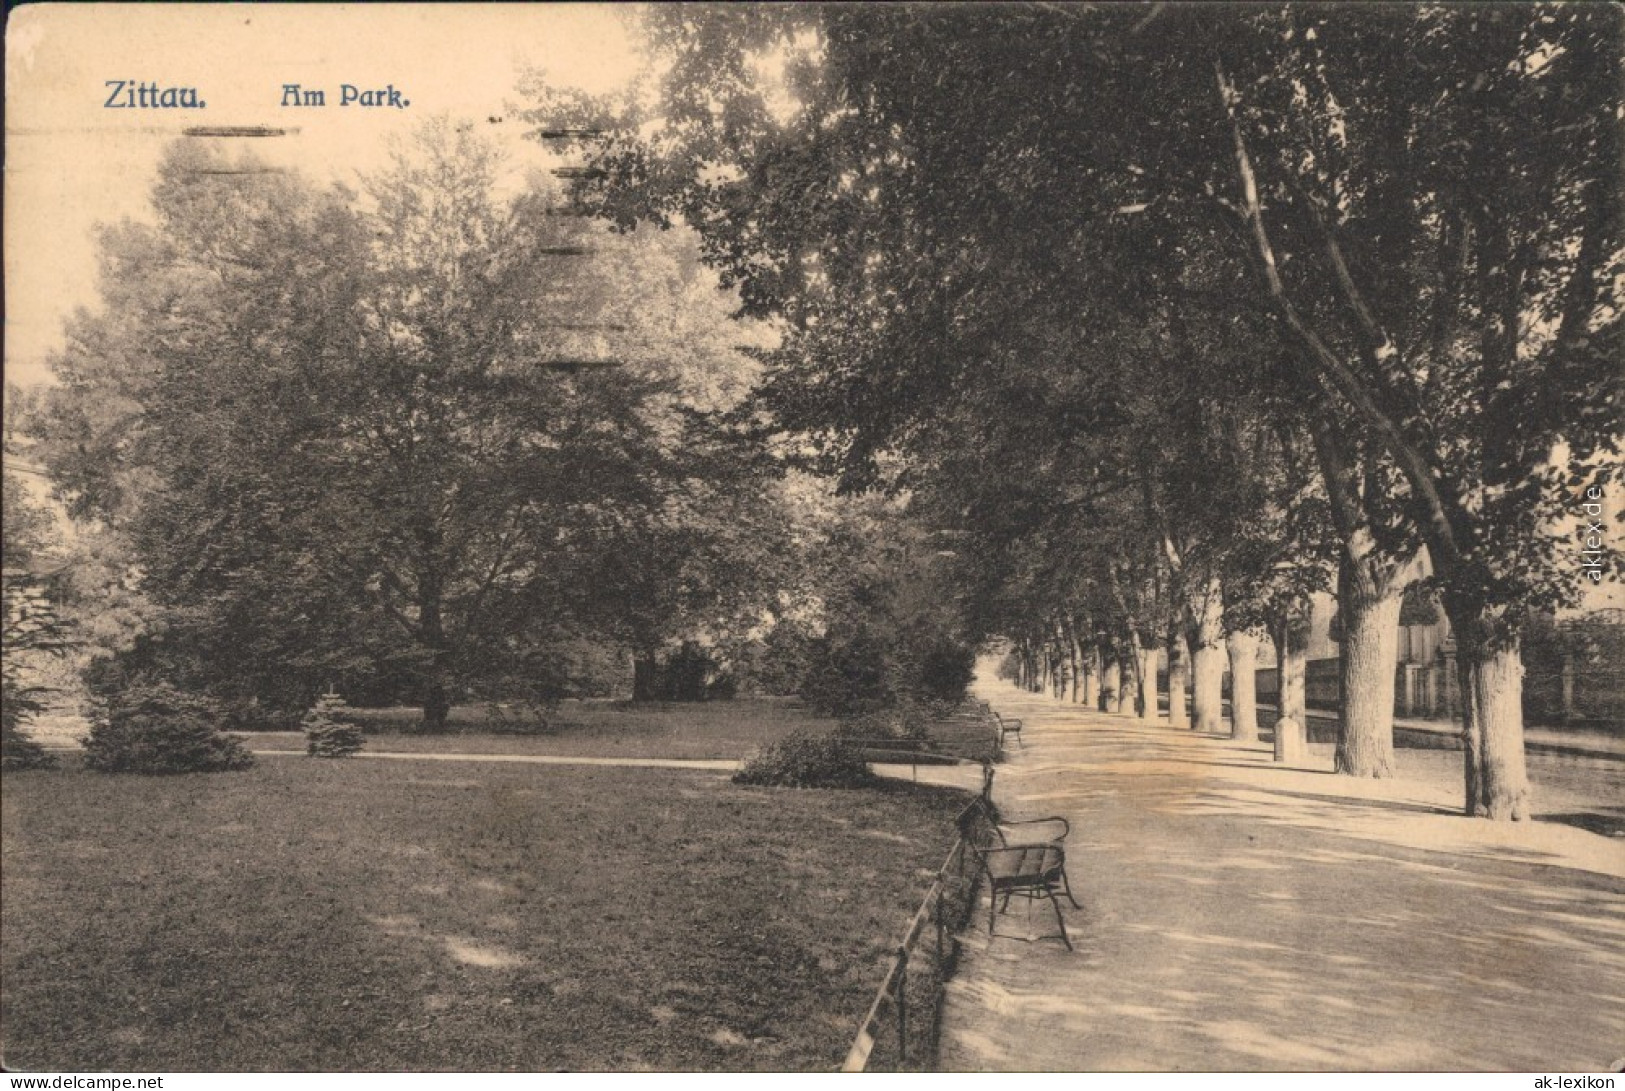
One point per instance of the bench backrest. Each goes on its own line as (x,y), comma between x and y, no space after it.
(893,742)
(979,825)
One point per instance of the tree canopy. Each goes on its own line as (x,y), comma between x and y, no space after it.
(1395,232)
(382,443)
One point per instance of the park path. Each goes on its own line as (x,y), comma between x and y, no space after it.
(524,759)
(1238,915)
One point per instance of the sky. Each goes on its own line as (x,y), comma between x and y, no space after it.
(72,162)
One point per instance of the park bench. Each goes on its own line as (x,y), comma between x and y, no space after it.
(1011,726)
(1024,859)
(900,751)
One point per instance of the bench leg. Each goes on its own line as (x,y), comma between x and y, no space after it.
(1066,885)
(994,908)
(1056,905)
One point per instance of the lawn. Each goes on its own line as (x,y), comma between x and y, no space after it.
(713,730)
(309,915)
(618,729)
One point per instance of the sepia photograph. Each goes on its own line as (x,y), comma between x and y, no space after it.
(813,538)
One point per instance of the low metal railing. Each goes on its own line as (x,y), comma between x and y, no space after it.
(945,909)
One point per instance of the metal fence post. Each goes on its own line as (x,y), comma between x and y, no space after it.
(902,1005)
(895,987)
(940,888)
(1568,687)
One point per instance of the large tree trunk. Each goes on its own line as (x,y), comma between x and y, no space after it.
(1207,685)
(1058,657)
(1370,654)
(1111,681)
(1243,646)
(1291,637)
(1073,659)
(1147,663)
(436,706)
(1126,680)
(1206,616)
(1091,675)
(1497,698)
(1179,660)
(431,627)
(1490,663)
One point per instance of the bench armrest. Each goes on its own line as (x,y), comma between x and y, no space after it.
(1066,827)
(988,853)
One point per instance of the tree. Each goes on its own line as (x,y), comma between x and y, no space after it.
(373,448)
(27,524)
(699,568)
(1456,205)
(874,596)
(34,628)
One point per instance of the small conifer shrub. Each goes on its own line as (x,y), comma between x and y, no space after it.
(327,733)
(152,727)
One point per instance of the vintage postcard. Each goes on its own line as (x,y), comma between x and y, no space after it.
(1036,538)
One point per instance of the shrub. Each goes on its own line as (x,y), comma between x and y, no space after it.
(18,751)
(908,719)
(691,673)
(724,687)
(805,760)
(776,664)
(155,728)
(327,733)
(859,670)
(848,674)
(946,670)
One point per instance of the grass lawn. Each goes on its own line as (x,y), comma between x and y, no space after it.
(725,730)
(712,730)
(375,916)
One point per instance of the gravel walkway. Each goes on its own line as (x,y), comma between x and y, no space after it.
(1242,916)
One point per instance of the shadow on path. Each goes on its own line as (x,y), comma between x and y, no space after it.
(1239,915)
